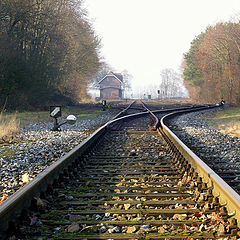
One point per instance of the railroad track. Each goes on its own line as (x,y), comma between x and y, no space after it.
(125,182)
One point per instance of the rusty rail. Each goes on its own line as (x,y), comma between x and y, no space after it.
(22,198)
(220,188)
(13,206)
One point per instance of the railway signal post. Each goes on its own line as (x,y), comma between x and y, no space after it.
(56,112)
(104,104)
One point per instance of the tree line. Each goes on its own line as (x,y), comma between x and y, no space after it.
(48,52)
(212,64)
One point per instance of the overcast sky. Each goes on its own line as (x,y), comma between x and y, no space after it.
(146,36)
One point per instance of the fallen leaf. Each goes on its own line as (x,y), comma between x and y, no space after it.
(194,224)
(33,220)
(127,206)
(25,178)
(131,229)
(41,203)
(3,198)
(74,227)
(197,215)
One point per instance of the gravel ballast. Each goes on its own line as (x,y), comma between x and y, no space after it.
(36,147)
(220,151)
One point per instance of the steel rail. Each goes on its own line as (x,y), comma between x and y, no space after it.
(124,110)
(225,193)
(220,188)
(184,109)
(13,206)
(153,116)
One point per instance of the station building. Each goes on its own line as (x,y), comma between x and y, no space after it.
(111,86)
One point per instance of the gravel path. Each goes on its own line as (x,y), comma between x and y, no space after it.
(37,147)
(220,151)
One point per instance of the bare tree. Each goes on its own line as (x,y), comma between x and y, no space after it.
(171,85)
(103,70)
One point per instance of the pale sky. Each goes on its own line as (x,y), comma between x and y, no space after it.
(146,36)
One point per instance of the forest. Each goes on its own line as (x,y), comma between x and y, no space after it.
(48,52)
(212,64)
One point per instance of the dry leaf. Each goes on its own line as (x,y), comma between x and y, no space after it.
(74,227)
(25,178)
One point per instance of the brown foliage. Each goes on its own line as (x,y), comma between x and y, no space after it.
(218,58)
(193,92)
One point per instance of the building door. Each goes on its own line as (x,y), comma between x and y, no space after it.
(120,93)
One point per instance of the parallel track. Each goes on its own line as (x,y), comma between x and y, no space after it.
(126,183)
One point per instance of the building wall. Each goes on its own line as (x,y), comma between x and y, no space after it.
(110,93)
(110,88)
(110,81)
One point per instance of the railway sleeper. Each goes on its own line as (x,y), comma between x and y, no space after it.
(185,210)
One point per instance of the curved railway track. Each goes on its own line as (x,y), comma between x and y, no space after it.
(125,181)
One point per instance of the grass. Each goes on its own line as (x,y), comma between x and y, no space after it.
(166,101)
(9,126)
(78,112)
(228,121)
(10,123)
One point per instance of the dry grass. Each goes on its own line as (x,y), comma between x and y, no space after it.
(10,123)
(232,128)
(9,126)
(88,100)
(228,121)
(27,118)
(168,101)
